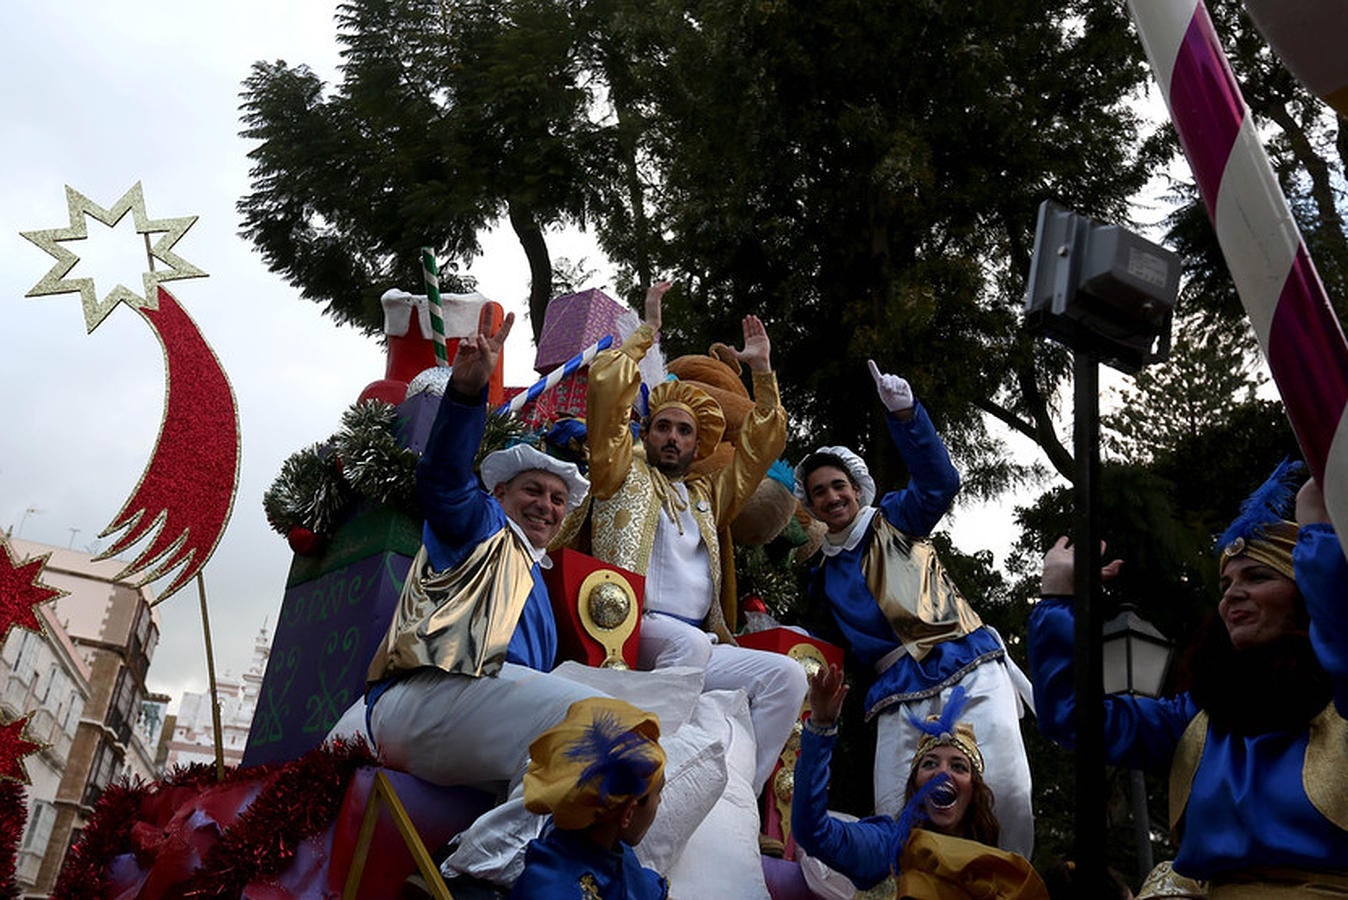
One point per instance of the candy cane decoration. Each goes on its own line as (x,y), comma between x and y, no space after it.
(556,376)
(431,270)
(1273,272)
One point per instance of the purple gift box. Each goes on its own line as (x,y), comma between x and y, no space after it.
(572,323)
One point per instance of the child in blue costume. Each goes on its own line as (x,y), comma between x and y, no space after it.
(599,773)
(941,846)
(1257,749)
(903,616)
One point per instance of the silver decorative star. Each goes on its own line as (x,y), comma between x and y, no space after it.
(133,201)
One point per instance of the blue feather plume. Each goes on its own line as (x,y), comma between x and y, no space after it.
(914,812)
(1270,502)
(614,756)
(949,716)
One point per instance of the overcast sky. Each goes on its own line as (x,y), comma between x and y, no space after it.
(99,95)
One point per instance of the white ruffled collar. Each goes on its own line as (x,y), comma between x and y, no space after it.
(539,554)
(837,543)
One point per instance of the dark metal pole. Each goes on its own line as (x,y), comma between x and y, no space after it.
(1090,746)
(1141,821)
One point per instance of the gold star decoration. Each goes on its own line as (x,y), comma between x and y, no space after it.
(133,201)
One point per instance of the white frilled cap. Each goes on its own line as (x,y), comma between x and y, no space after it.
(502,465)
(856,467)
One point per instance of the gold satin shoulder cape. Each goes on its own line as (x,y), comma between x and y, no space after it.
(626,492)
(459,620)
(914,591)
(936,866)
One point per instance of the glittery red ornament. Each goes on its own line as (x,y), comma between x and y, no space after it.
(186,494)
(305,542)
(189,835)
(21,589)
(13,818)
(13,748)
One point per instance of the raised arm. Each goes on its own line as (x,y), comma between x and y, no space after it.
(932,478)
(613,385)
(762,437)
(864,851)
(1322,577)
(455,506)
(1140,732)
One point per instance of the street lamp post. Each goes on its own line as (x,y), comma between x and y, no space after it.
(1109,295)
(1135,657)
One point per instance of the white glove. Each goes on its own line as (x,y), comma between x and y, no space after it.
(895,392)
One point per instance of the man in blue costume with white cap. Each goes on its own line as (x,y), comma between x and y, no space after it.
(460,684)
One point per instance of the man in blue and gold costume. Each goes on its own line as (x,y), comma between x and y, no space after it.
(902,615)
(460,684)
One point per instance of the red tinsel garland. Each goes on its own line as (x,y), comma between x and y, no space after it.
(13,818)
(108,833)
(296,801)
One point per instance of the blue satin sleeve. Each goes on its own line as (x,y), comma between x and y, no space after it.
(459,514)
(864,851)
(1140,732)
(932,478)
(1322,576)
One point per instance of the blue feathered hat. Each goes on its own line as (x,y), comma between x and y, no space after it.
(1260,531)
(604,753)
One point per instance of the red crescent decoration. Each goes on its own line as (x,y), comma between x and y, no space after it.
(185,497)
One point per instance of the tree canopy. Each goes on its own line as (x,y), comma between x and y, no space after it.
(863,175)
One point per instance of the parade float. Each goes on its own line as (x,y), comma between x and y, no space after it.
(307,810)
(303,816)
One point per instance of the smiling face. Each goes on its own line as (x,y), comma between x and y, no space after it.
(833,497)
(947,818)
(1259,603)
(536,501)
(671,440)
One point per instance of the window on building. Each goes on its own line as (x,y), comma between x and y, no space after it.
(38,833)
(123,709)
(104,769)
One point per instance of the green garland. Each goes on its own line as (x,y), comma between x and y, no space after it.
(364,461)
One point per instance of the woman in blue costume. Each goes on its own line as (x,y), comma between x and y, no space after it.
(1257,749)
(941,846)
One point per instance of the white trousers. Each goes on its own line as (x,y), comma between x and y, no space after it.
(775,683)
(994,711)
(453,729)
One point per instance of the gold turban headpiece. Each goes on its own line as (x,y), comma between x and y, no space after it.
(1260,532)
(961,738)
(604,753)
(706,412)
(946,731)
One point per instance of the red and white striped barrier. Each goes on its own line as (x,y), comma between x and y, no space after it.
(1273,273)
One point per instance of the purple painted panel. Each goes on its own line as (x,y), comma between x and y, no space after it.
(327,635)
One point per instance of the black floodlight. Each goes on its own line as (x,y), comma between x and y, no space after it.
(1101,288)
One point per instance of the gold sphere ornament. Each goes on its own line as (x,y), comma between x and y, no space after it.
(609,605)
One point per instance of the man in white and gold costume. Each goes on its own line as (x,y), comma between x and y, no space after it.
(461,683)
(652,516)
(902,615)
